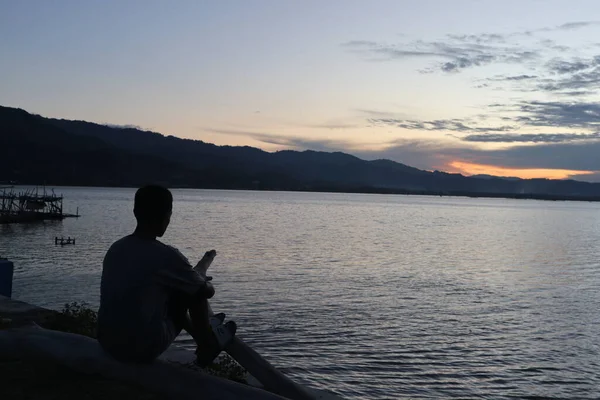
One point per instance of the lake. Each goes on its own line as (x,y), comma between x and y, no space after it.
(370,296)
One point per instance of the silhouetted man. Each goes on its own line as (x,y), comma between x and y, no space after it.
(150,292)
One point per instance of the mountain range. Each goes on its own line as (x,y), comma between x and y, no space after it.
(39,150)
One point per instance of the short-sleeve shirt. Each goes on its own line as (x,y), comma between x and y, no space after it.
(139,278)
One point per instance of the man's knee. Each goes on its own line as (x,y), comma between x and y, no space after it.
(178,306)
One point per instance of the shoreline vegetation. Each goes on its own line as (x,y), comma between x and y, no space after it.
(365,190)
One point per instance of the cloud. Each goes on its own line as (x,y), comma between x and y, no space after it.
(574,93)
(455,125)
(565,76)
(587,80)
(559,66)
(555,113)
(335,126)
(481,38)
(552,45)
(575,25)
(593,177)
(519,115)
(458,51)
(374,113)
(505,78)
(532,114)
(291,142)
(359,43)
(530,137)
(578,156)
(423,154)
(568,26)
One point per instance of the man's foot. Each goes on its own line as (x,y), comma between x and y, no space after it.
(224,333)
(205,262)
(219,316)
(222,336)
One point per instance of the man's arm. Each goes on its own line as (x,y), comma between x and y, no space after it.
(177,273)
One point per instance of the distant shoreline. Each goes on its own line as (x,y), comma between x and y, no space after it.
(362,190)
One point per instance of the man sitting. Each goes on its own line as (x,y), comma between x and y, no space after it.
(149,291)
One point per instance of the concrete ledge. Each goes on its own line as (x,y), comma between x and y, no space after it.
(85,355)
(21,313)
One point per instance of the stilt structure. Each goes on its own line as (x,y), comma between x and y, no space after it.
(30,205)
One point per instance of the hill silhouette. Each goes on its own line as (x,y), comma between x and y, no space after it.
(39,150)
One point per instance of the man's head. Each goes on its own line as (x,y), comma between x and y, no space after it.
(152,209)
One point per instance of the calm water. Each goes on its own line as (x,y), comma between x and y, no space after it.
(370,296)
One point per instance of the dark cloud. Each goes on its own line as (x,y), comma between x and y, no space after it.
(548,114)
(454,125)
(519,77)
(574,93)
(568,67)
(595,177)
(530,137)
(580,155)
(588,80)
(567,76)
(555,113)
(423,154)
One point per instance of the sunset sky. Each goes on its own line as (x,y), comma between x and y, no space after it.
(507,88)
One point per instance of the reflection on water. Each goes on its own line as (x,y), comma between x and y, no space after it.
(371,296)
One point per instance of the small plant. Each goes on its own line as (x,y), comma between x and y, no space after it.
(74,318)
(226,367)
(223,367)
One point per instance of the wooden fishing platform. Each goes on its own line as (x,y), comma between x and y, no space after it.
(31,205)
(62,241)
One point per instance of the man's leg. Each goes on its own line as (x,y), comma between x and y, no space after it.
(210,339)
(197,323)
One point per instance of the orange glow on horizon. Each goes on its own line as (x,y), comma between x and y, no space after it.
(468,168)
